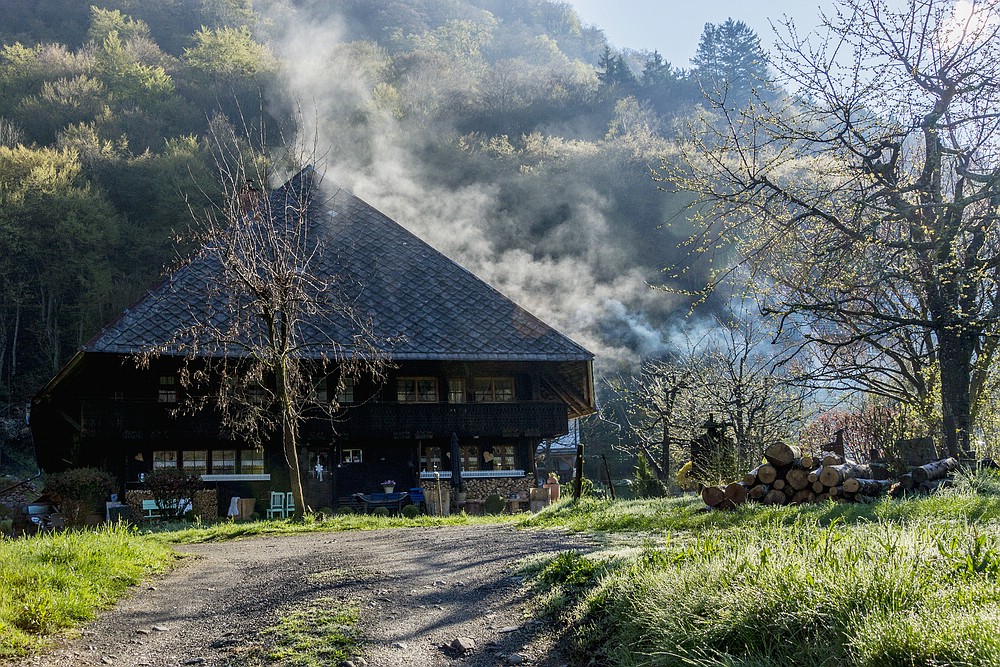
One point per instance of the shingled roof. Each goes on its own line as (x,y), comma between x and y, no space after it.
(439,310)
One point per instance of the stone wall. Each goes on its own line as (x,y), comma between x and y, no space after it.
(19,496)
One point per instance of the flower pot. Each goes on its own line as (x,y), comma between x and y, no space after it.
(387,488)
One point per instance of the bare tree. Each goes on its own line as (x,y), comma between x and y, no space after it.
(865,210)
(266,318)
(728,373)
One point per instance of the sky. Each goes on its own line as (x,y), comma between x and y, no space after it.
(673,27)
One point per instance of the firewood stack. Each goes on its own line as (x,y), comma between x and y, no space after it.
(790,477)
(925,479)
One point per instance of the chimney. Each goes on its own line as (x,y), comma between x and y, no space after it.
(249,197)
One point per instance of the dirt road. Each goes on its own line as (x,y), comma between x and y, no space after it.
(417,589)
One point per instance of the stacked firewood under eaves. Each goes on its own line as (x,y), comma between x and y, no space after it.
(790,477)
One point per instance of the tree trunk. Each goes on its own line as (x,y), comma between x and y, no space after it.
(866,487)
(766,474)
(779,454)
(934,470)
(835,475)
(713,496)
(956,350)
(289,438)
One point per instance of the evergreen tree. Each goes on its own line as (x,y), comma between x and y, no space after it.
(730,63)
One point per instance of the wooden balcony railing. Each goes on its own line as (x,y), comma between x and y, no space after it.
(139,420)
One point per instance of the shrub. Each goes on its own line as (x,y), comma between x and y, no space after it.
(380,511)
(344,509)
(411,511)
(647,485)
(494,504)
(79,492)
(169,486)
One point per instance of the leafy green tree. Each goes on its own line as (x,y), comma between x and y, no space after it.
(103,22)
(228,53)
(55,233)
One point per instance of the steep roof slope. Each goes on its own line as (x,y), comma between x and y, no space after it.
(437,309)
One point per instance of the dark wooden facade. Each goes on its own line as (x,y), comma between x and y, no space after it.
(107,412)
(468,365)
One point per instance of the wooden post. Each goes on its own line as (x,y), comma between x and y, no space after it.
(578,480)
(607,473)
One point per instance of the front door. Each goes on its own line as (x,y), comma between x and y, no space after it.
(317,478)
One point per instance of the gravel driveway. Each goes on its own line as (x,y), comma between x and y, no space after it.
(417,589)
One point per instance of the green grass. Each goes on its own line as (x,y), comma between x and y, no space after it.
(907,582)
(52,582)
(228,530)
(322,632)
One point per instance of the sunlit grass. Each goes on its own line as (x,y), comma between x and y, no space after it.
(52,582)
(321,632)
(896,582)
(229,530)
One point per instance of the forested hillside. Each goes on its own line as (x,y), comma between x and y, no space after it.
(507,134)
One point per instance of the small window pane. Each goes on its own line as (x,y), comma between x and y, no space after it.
(345,395)
(406,390)
(164,459)
(168,389)
(430,459)
(483,390)
(503,457)
(427,391)
(251,462)
(195,462)
(319,392)
(223,461)
(470,457)
(503,389)
(456,391)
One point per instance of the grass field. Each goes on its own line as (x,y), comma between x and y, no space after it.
(897,582)
(52,582)
(894,583)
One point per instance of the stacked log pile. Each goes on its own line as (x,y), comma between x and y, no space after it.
(926,478)
(789,476)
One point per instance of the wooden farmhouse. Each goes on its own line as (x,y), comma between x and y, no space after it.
(474,383)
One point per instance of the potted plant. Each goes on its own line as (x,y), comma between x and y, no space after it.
(388,485)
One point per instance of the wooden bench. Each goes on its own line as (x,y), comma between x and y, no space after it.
(152,509)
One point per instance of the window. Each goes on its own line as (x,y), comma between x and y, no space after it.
(256,395)
(416,390)
(163,459)
(456,390)
(252,461)
(350,456)
(319,392)
(168,389)
(430,459)
(503,457)
(470,457)
(223,461)
(493,390)
(195,462)
(345,393)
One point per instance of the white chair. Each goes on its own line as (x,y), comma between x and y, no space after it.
(289,504)
(277,507)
